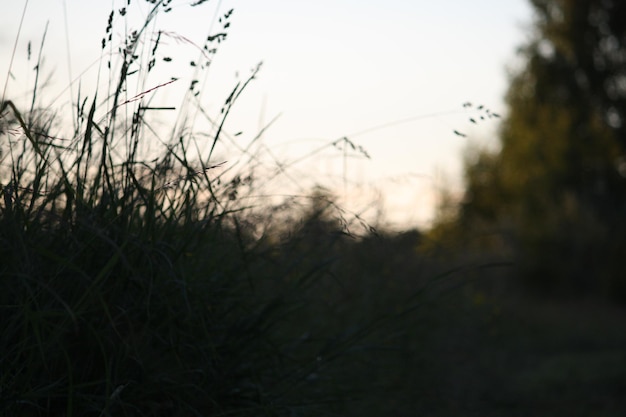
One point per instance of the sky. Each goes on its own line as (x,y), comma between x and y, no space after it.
(390,76)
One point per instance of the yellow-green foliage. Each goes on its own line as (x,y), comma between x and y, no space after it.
(553,192)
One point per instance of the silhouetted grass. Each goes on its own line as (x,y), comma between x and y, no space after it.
(135,281)
(129,286)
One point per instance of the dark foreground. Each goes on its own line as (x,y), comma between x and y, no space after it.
(480,356)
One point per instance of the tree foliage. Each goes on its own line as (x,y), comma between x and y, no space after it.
(557,185)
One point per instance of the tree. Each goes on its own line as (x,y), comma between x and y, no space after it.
(558,182)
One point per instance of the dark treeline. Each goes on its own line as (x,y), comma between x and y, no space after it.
(554,195)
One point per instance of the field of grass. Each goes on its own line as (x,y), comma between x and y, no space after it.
(136,280)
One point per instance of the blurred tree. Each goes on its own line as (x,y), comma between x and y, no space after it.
(558,183)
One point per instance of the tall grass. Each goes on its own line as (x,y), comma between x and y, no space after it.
(128,283)
(135,282)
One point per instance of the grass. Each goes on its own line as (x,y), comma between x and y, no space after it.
(136,281)
(127,283)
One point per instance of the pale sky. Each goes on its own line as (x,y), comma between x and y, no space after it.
(330,69)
